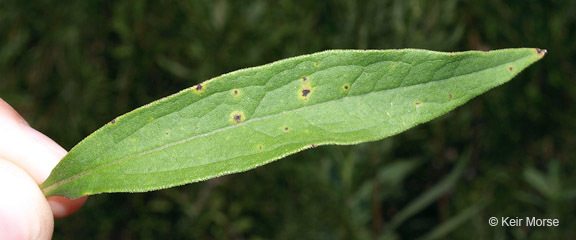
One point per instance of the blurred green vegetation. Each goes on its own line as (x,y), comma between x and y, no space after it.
(71,66)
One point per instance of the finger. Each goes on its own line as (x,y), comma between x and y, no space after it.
(24,211)
(33,152)
(26,147)
(63,207)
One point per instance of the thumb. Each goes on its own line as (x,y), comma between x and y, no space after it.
(34,153)
(24,211)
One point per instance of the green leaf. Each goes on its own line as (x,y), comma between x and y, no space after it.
(250,117)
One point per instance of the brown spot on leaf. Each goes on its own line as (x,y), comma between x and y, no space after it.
(313,145)
(198,88)
(113,121)
(510,68)
(450,95)
(304,79)
(418,104)
(346,87)
(305,92)
(260,147)
(286,128)
(237,117)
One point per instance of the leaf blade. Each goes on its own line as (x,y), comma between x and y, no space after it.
(251,117)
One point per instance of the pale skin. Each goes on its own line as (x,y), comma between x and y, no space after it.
(26,159)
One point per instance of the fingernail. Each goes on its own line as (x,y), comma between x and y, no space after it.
(58,209)
(62,206)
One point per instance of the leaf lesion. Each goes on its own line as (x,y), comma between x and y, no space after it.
(418,104)
(199,88)
(237,117)
(305,92)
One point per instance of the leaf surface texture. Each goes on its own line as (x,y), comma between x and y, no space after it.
(247,118)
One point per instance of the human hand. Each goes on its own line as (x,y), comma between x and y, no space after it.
(26,159)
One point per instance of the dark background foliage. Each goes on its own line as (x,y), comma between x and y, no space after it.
(71,66)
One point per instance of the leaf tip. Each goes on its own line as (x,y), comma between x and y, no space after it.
(540,52)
